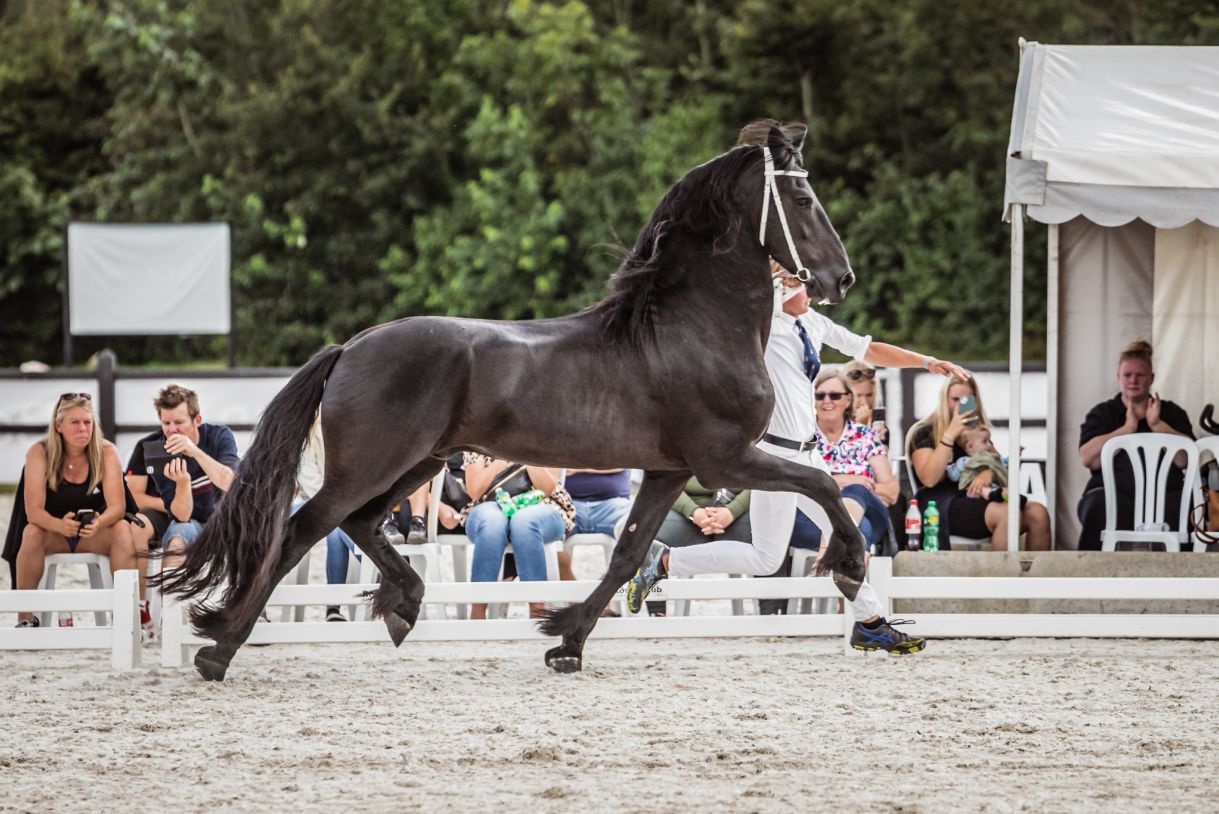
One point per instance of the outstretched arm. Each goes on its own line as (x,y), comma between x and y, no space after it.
(882,354)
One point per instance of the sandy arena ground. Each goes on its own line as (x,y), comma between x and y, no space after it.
(727,725)
(717,725)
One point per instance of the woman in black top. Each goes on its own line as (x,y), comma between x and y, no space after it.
(71,470)
(1134,409)
(932,445)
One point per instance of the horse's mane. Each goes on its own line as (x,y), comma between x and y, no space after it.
(698,205)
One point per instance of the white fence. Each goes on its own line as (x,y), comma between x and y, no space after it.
(177,638)
(121,637)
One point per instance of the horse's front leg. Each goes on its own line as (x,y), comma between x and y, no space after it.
(843,555)
(575,622)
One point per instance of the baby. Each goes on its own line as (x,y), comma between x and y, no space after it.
(981,457)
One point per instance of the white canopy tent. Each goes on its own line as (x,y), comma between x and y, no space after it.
(1116,149)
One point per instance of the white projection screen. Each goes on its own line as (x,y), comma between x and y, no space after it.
(148,279)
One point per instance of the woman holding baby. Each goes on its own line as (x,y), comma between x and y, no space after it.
(955,440)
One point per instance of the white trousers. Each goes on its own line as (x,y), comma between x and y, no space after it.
(771,516)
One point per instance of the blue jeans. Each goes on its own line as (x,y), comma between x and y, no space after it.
(188,531)
(874,526)
(338,544)
(528,530)
(600,516)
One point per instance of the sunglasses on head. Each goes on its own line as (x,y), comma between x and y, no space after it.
(71,396)
(861,373)
(820,395)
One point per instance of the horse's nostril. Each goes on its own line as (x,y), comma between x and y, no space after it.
(846,282)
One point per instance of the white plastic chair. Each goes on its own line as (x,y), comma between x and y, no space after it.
(1151,459)
(99,577)
(1210,444)
(301,577)
(424,558)
(802,561)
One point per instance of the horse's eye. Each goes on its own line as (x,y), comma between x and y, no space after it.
(804,203)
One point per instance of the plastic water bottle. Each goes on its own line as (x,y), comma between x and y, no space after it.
(931,527)
(914,527)
(505,503)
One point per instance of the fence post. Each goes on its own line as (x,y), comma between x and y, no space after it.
(106,362)
(879,573)
(173,654)
(125,621)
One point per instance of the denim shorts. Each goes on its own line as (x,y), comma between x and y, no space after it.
(188,531)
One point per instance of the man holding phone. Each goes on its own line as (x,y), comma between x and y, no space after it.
(196,466)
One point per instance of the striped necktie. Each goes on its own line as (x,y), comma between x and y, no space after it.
(812,362)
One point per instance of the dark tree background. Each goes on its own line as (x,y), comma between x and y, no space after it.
(381,159)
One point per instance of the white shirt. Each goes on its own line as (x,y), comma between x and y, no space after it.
(794,417)
(312,471)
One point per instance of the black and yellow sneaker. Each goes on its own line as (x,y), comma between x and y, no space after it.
(651,572)
(884,637)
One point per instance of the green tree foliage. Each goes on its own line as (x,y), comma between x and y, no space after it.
(491,159)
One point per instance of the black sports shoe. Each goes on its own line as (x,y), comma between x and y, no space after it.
(389,530)
(884,637)
(416,532)
(333,614)
(651,572)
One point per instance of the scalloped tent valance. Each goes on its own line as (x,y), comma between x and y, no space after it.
(1115,133)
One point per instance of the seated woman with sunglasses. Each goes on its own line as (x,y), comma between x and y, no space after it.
(71,473)
(856,458)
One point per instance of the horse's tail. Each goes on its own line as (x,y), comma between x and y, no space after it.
(241,542)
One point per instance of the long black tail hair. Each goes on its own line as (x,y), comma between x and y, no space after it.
(241,542)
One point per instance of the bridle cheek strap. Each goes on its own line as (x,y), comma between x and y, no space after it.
(770,190)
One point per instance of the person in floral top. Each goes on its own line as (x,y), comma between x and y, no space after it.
(856,457)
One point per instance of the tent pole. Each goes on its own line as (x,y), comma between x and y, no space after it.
(1051,371)
(1016,366)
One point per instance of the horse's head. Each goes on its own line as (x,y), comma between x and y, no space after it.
(792,226)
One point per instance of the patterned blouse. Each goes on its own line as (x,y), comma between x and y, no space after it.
(850,455)
(558,499)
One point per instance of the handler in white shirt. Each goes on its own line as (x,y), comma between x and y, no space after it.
(792,360)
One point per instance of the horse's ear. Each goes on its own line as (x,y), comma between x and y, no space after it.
(796,133)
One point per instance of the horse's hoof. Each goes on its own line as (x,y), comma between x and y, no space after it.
(209,668)
(847,585)
(563,661)
(398,628)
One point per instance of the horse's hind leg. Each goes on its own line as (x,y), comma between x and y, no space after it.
(399,597)
(575,622)
(305,528)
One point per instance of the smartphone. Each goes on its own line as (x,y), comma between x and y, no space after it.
(156,456)
(968,404)
(878,414)
(85,516)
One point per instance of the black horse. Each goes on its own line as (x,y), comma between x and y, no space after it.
(665,375)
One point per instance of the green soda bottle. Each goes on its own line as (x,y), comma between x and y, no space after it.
(505,503)
(931,527)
